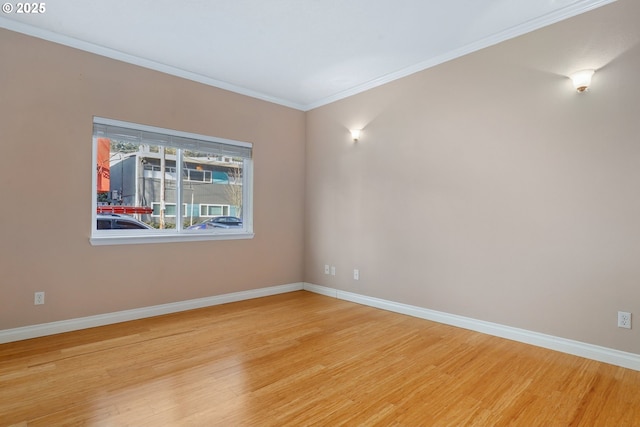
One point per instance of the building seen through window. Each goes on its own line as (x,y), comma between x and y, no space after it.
(169,182)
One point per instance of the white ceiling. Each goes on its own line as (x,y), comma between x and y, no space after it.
(298,53)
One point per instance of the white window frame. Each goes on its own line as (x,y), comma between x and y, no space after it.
(178,234)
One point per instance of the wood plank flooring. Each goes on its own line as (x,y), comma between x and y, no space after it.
(301,359)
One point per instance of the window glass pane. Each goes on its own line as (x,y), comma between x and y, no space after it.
(123,224)
(203,196)
(171,209)
(170,139)
(142,175)
(117,185)
(214,183)
(130,176)
(220,177)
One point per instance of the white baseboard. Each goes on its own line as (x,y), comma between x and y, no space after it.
(322,290)
(34,331)
(576,348)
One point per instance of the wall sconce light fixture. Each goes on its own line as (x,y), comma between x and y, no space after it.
(355,134)
(582,79)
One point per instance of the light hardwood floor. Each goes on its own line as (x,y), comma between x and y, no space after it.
(301,359)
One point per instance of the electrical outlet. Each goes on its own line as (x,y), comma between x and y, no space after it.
(326,269)
(333,271)
(38,298)
(624,320)
(356,274)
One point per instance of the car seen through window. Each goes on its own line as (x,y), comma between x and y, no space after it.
(119,222)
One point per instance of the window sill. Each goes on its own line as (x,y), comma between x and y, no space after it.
(120,239)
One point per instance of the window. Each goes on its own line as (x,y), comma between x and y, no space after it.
(143,173)
(169,210)
(214,210)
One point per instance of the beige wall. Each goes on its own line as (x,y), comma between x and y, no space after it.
(483,187)
(48,97)
(486,187)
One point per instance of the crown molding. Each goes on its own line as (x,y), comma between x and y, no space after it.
(509,33)
(72,42)
(518,30)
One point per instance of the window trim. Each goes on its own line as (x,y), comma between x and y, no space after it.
(179,234)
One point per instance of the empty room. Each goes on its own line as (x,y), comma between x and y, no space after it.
(301,212)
